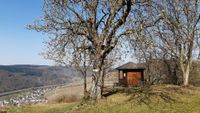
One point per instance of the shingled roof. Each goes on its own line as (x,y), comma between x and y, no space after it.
(129,65)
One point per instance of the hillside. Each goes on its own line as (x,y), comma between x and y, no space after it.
(14,77)
(155,99)
(43,108)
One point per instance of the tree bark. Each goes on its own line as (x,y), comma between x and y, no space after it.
(98,77)
(85,83)
(95,88)
(102,81)
(186,76)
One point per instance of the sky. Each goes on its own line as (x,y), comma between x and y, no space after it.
(19,45)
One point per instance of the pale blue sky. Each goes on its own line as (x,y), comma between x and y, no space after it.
(17,44)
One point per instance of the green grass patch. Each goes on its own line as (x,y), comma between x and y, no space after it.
(155,99)
(43,108)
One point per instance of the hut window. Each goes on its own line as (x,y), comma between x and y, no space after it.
(124,75)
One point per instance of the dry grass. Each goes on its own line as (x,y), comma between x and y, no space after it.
(67,99)
(64,94)
(70,93)
(155,99)
(42,108)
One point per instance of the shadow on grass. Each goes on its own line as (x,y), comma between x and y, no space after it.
(147,94)
(109,92)
(3,111)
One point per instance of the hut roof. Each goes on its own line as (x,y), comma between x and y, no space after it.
(129,65)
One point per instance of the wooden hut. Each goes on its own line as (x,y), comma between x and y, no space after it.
(130,74)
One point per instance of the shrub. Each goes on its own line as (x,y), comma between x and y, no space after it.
(68,99)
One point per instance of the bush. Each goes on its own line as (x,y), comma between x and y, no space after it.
(68,99)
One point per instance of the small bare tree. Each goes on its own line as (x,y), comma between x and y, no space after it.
(82,62)
(78,56)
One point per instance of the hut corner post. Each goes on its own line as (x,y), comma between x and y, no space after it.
(118,77)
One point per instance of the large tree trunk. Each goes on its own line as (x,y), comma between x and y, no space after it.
(185,64)
(95,88)
(97,82)
(102,81)
(186,76)
(185,68)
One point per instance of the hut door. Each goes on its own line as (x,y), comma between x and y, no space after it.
(133,78)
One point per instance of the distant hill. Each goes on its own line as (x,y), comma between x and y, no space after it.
(14,77)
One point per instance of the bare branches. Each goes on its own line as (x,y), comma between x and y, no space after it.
(85,32)
(174,34)
(122,19)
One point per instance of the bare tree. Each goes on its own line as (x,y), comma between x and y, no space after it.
(82,62)
(78,56)
(176,35)
(101,23)
(180,31)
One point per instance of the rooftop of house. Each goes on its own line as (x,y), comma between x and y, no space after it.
(129,65)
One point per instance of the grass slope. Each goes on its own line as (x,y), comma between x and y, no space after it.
(156,99)
(43,108)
